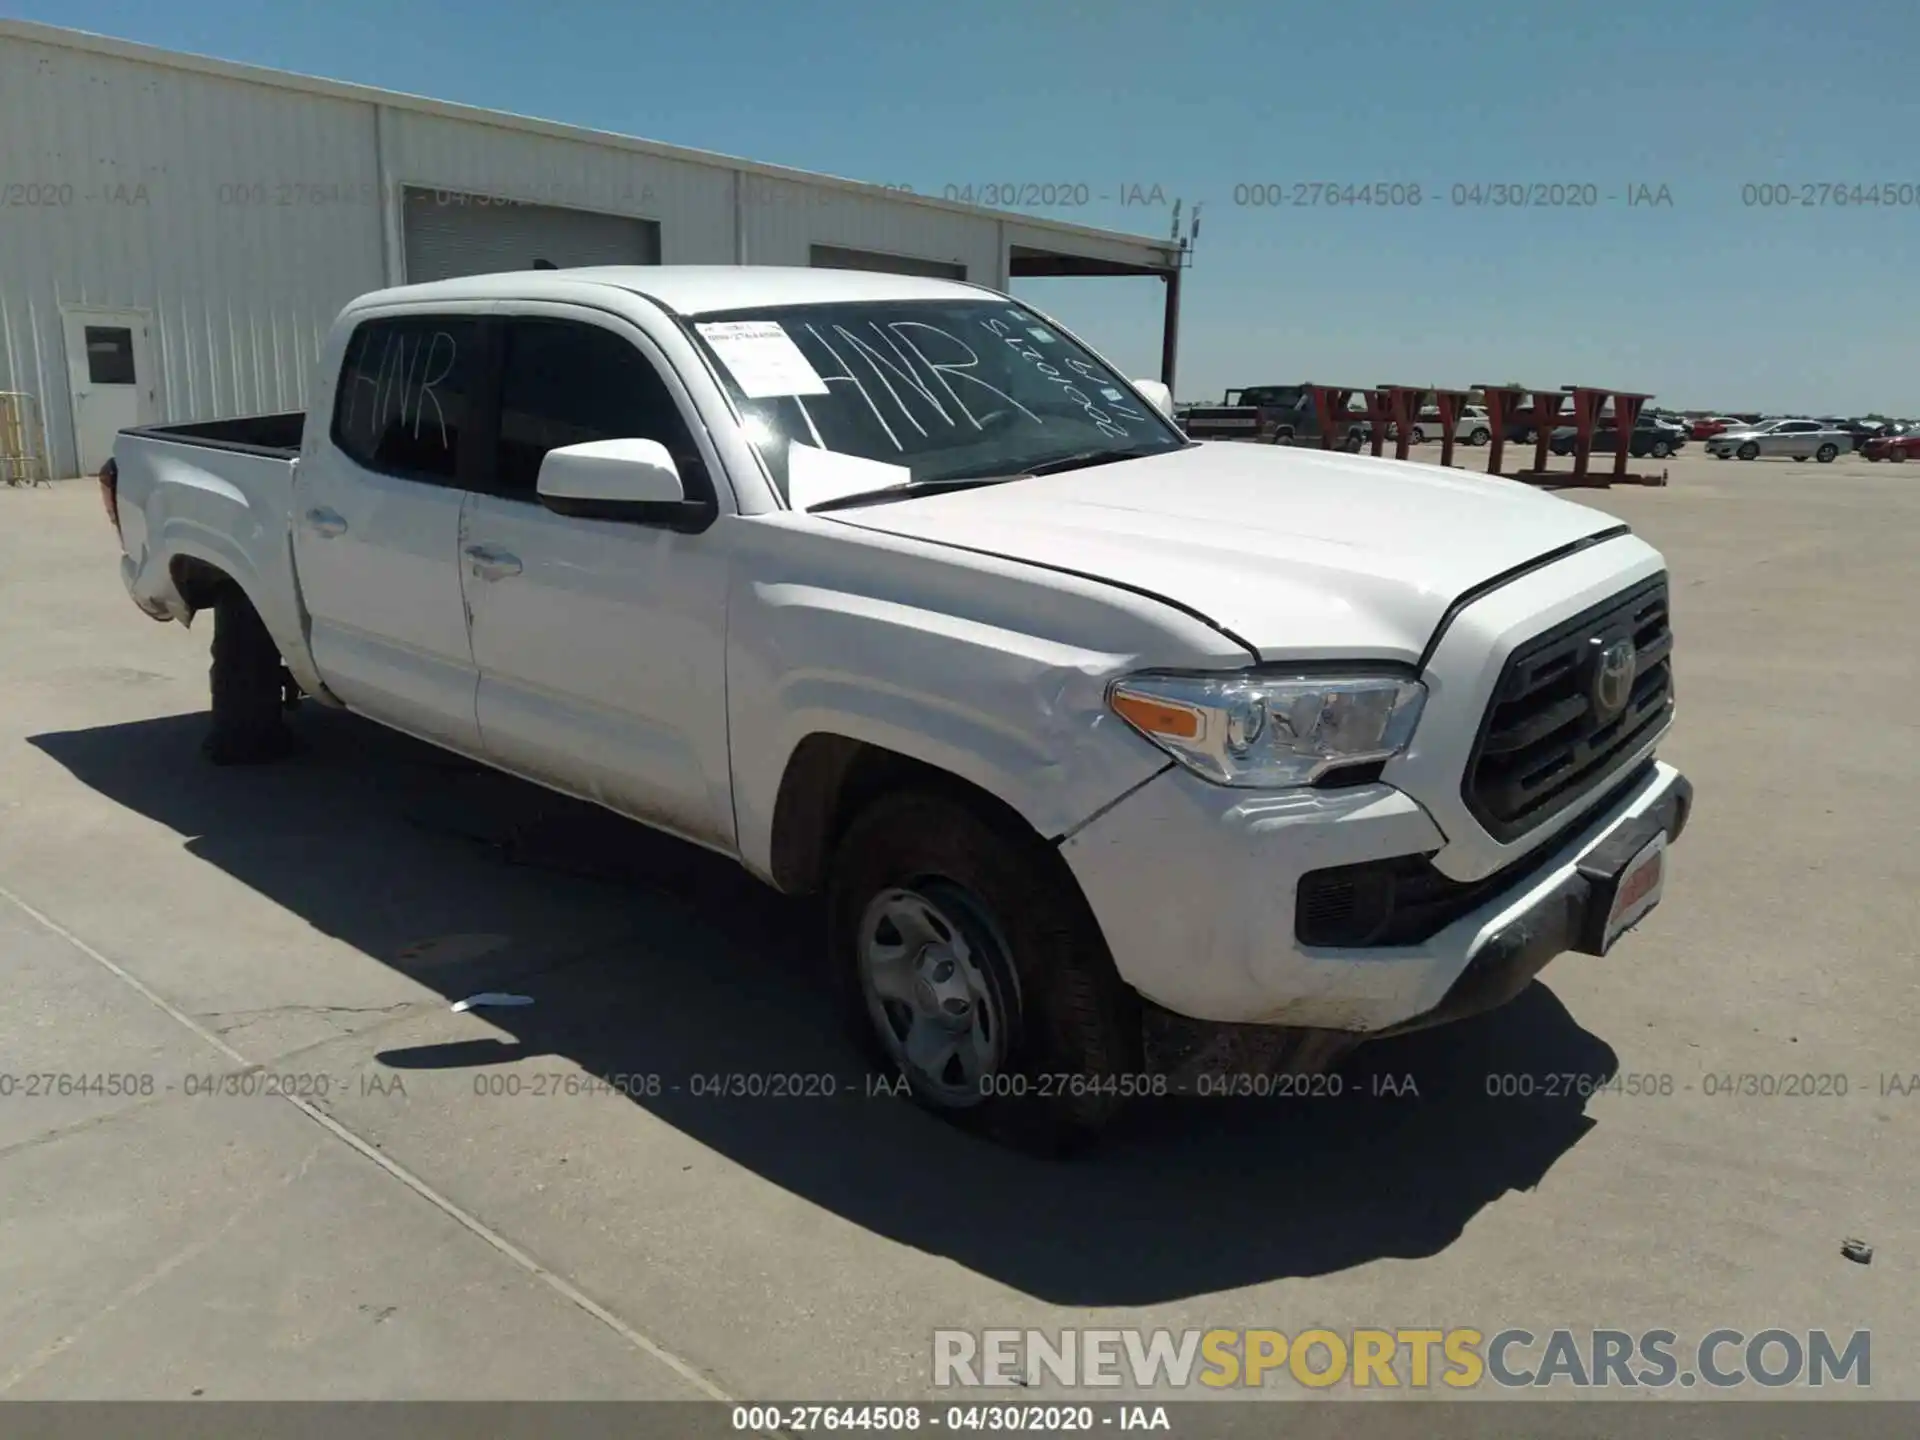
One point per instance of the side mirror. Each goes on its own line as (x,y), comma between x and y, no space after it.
(632,480)
(1157,394)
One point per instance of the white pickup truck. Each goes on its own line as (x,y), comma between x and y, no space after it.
(1117,756)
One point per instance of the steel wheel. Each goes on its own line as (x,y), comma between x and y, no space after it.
(923,954)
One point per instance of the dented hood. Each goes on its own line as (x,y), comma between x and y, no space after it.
(1299,554)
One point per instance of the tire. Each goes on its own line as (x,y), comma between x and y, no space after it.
(1356,442)
(1826,453)
(1283,437)
(1873,459)
(1482,436)
(1660,450)
(1031,975)
(1419,436)
(1897,456)
(1799,459)
(249,687)
(1748,451)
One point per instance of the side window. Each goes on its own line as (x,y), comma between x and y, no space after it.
(565,383)
(403,397)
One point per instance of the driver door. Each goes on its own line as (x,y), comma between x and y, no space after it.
(600,644)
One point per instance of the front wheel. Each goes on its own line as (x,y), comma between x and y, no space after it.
(1661,449)
(1799,459)
(1826,453)
(1748,451)
(1481,436)
(970,964)
(1419,436)
(1896,455)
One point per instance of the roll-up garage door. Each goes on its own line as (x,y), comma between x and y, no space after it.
(449,233)
(832,257)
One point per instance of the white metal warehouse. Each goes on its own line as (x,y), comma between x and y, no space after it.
(177,233)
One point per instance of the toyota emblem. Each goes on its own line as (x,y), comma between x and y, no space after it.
(1613,678)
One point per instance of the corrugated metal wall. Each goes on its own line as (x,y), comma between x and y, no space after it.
(693,203)
(242,215)
(783,220)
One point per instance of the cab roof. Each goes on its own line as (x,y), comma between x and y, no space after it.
(689,290)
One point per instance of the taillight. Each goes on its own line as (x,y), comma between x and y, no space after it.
(110,492)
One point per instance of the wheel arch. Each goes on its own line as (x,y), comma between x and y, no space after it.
(830,778)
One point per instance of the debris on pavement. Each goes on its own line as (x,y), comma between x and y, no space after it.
(1857,1251)
(490,1000)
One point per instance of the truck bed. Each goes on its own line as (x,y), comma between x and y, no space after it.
(209,500)
(276,436)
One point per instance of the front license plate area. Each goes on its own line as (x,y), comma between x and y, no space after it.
(1638,891)
(1625,878)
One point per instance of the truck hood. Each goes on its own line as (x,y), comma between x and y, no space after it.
(1298,554)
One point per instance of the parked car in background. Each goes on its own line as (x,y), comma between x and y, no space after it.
(1474,427)
(1892,447)
(1795,439)
(1651,436)
(1269,414)
(1713,425)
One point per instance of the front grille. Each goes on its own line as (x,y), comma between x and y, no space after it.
(1545,742)
(1404,900)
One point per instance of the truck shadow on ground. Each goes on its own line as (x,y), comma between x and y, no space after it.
(648,956)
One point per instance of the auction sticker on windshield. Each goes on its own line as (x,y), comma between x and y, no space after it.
(762,358)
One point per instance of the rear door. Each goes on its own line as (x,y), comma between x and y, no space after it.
(376,524)
(600,644)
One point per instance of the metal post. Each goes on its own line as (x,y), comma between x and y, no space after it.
(1405,412)
(1170,328)
(1626,415)
(1546,413)
(1452,405)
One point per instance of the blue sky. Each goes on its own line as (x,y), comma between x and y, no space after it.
(1706,300)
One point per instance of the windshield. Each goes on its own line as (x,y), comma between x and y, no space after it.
(946,389)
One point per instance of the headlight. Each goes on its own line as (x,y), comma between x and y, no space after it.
(1262,732)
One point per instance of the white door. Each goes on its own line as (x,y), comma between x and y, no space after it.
(600,644)
(376,527)
(110,377)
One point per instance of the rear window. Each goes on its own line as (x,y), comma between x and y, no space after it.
(405,394)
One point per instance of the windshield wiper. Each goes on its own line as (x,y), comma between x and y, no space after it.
(908,491)
(1081,459)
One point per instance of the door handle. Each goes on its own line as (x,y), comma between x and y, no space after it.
(490,564)
(326,522)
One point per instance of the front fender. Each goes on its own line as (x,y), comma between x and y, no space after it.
(1019,715)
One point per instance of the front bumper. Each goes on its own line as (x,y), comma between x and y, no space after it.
(1195,886)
